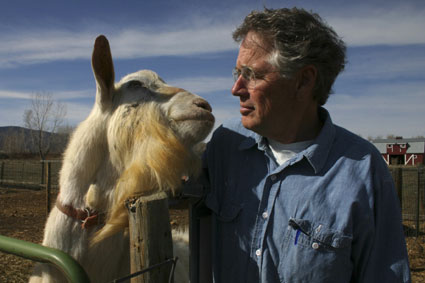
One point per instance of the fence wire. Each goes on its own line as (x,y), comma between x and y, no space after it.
(409,182)
(411,192)
(28,173)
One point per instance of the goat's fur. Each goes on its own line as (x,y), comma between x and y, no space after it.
(137,140)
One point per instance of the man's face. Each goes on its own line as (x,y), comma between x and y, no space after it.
(266,101)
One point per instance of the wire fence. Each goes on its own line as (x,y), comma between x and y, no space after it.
(409,182)
(28,173)
(410,186)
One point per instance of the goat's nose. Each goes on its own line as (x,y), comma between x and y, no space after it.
(203,104)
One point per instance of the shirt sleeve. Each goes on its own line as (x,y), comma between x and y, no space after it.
(379,248)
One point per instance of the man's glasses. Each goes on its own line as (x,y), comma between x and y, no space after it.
(247,74)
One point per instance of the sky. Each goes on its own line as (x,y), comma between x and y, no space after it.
(46,46)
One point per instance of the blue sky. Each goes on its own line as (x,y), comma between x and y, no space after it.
(46,47)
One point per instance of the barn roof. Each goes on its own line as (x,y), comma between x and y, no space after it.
(416,145)
(398,140)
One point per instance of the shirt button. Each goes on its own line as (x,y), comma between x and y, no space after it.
(318,228)
(315,246)
(273,177)
(265,215)
(258,252)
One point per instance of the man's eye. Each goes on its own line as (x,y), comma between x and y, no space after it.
(135,84)
(247,73)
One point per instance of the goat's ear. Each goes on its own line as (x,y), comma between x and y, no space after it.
(103,69)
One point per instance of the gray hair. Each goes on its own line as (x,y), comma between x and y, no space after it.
(299,38)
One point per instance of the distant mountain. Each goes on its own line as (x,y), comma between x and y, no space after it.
(12,136)
(17,140)
(12,129)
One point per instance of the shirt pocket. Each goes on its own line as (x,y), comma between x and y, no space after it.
(314,252)
(305,232)
(227,227)
(229,212)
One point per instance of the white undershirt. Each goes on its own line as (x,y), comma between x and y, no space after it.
(284,152)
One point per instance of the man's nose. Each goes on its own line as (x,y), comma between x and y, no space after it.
(239,87)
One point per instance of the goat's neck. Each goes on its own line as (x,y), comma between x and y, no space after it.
(85,159)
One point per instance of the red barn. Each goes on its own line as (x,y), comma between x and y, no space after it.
(401,151)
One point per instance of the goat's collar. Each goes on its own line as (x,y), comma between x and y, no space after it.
(88,218)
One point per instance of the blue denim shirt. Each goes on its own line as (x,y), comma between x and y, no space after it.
(329,214)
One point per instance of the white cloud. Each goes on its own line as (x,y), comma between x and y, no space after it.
(202,85)
(35,46)
(14,103)
(13,116)
(198,35)
(398,25)
(374,66)
(57,95)
(198,39)
(381,110)
(74,94)
(11,94)
(28,47)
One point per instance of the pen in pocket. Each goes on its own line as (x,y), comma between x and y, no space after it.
(296,237)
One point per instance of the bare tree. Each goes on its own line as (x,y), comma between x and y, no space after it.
(44,118)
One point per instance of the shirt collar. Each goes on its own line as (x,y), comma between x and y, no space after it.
(252,139)
(316,154)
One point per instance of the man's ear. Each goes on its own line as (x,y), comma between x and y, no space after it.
(306,81)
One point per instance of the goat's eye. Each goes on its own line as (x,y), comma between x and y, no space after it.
(135,84)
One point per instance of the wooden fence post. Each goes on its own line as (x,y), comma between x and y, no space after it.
(399,185)
(418,197)
(48,185)
(397,174)
(23,170)
(43,177)
(150,237)
(2,173)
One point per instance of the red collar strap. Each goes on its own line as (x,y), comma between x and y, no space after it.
(87,217)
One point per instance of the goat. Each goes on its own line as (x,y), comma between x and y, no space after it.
(138,139)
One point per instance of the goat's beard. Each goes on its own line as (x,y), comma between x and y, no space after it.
(158,162)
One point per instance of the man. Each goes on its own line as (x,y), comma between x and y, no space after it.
(294,197)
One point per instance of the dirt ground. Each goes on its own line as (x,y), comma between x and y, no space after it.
(23,214)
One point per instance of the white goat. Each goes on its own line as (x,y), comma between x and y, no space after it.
(137,140)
